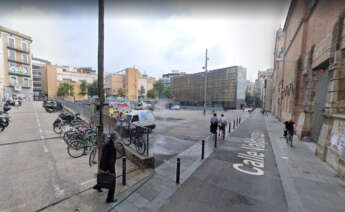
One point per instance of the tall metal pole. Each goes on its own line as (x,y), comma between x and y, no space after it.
(100,75)
(205,86)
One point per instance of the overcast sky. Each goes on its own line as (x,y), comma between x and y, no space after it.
(155,38)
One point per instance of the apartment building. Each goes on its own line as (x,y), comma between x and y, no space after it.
(56,74)
(310,84)
(146,82)
(112,83)
(39,69)
(226,88)
(15,65)
(130,80)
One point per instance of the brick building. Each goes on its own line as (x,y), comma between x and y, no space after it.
(309,75)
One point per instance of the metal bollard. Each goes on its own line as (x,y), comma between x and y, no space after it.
(240,120)
(215,141)
(202,149)
(148,142)
(124,171)
(229,127)
(178,171)
(234,124)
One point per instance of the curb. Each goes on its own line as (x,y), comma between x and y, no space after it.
(292,197)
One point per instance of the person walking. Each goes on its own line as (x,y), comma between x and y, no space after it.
(107,165)
(222,124)
(214,124)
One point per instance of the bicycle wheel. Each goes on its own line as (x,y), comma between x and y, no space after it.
(120,150)
(291,139)
(57,128)
(140,145)
(76,149)
(93,157)
(127,141)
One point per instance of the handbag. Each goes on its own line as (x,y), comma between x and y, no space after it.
(106,180)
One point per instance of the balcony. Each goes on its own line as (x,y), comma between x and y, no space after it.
(16,61)
(18,50)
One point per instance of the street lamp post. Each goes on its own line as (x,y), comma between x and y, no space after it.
(100,75)
(205,86)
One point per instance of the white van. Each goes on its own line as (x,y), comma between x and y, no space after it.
(143,118)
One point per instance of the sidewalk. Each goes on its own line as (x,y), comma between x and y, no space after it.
(309,184)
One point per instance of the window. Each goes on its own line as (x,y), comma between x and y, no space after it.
(25,69)
(36,67)
(24,46)
(11,54)
(13,80)
(24,58)
(37,79)
(11,42)
(26,82)
(37,85)
(36,73)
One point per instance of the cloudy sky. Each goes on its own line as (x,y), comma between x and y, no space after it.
(154,37)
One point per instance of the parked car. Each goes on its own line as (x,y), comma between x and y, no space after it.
(176,107)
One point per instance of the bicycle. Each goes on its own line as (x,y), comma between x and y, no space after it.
(137,138)
(289,138)
(120,149)
(82,143)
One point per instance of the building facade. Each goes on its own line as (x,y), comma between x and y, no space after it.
(146,82)
(311,88)
(130,80)
(112,83)
(56,75)
(15,65)
(250,87)
(277,76)
(226,88)
(39,69)
(166,78)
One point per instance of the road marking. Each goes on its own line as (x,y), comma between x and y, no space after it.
(284,157)
(253,161)
(42,137)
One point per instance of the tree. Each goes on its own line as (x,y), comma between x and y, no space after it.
(152,93)
(159,87)
(83,88)
(142,91)
(121,92)
(166,92)
(92,89)
(249,99)
(65,89)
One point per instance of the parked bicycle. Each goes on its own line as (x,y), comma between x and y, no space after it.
(120,152)
(137,138)
(82,143)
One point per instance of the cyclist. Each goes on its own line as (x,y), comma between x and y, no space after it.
(289,127)
(222,124)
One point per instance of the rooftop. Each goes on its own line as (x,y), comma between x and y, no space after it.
(12,32)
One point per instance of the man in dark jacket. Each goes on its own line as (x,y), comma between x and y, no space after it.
(107,164)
